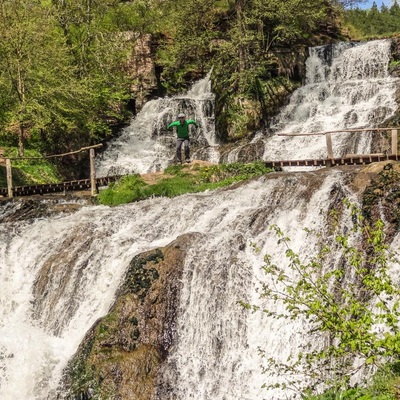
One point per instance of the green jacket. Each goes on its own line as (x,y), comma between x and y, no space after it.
(182,129)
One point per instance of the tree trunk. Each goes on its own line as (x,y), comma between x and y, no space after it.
(21,140)
(239,6)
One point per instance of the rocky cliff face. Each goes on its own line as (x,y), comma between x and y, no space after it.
(122,353)
(142,70)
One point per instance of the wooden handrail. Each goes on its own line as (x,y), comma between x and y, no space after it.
(338,131)
(96,146)
(92,166)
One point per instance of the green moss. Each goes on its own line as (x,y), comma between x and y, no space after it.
(383,386)
(140,277)
(82,375)
(384,190)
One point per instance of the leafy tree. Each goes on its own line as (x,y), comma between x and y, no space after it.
(62,70)
(373,22)
(34,67)
(246,62)
(352,304)
(190,32)
(349,3)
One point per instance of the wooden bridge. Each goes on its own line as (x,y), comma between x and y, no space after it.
(334,162)
(94,183)
(348,159)
(63,187)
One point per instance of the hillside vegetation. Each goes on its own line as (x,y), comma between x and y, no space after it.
(65,77)
(374,22)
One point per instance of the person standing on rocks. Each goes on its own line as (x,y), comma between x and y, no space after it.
(182,130)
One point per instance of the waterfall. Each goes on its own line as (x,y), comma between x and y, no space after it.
(146,145)
(215,354)
(81,258)
(60,272)
(347,87)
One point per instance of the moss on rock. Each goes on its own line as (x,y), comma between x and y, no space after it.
(122,353)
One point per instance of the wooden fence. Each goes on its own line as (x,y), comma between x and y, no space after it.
(93,182)
(328,138)
(54,187)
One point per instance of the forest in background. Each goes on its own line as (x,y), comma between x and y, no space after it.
(374,22)
(65,80)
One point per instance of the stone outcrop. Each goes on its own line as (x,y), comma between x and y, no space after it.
(122,353)
(142,70)
(32,207)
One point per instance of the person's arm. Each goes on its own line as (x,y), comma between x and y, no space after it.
(192,121)
(172,124)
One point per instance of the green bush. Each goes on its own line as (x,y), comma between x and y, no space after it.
(383,386)
(30,171)
(335,299)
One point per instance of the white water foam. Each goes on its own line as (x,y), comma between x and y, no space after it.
(347,87)
(146,145)
(83,258)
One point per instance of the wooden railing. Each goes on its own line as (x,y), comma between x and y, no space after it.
(93,181)
(328,138)
(330,160)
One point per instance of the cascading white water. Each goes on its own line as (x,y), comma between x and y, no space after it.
(347,87)
(146,145)
(216,354)
(83,257)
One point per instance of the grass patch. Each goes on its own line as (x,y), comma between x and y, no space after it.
(28,172)
(384,385)
(181,180)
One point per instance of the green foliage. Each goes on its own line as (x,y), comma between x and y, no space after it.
(373,22)
(344,301)
(25,172)
(62,71)
(242,41)
(127,189)
(133,188)
(234,172)
(383,386)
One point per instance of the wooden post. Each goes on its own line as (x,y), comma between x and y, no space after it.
(92,173)
(328,138)
(394,142)
(9,177)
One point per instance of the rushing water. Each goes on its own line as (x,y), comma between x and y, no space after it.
(347,87)
(146,145)
(85,255)
(79,259)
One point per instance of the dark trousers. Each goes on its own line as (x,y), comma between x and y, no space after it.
(179,147)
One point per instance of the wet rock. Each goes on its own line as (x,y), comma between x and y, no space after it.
(122,353)
(34,207)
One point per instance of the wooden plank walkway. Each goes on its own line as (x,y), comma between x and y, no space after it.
(85,184)
(332,162)
(82,184)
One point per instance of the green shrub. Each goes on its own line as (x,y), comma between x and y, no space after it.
(30,171)
(383,386)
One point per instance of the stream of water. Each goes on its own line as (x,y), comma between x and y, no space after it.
(85,254)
